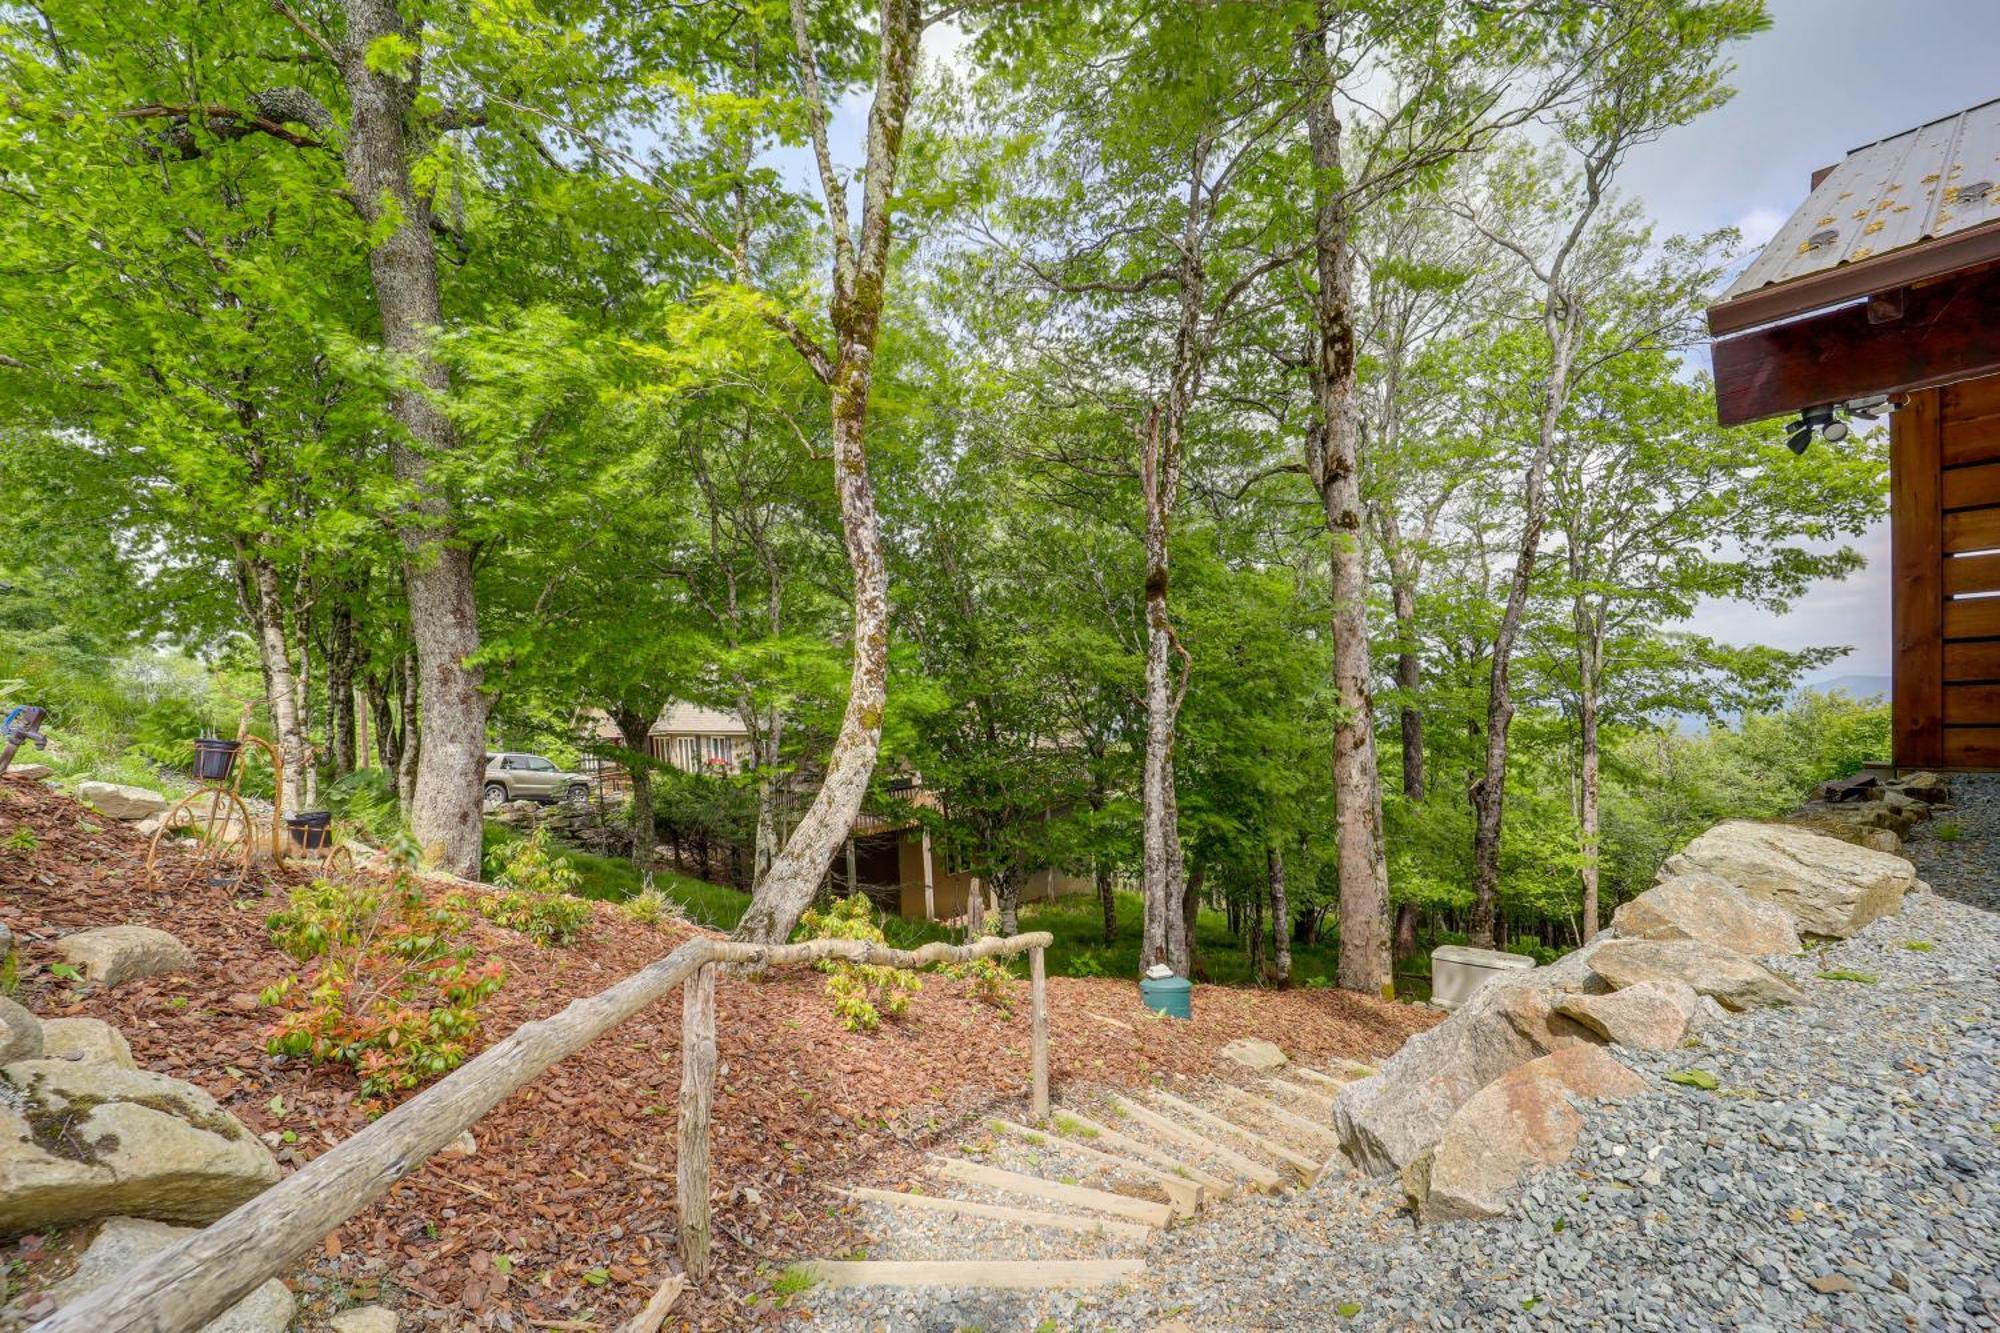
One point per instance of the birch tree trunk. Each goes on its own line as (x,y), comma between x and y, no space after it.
(443,806)
(860,276)
(281,685)
(1162,871)
(1332,462)
(341,660)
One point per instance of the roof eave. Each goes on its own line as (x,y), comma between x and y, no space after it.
(1912,264)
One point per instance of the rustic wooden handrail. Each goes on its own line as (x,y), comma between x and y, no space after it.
(183,1287)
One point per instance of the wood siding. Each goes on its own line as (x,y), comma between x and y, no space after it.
(1945,542)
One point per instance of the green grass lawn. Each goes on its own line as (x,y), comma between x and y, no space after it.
(613,879)
(1077,923)
(1080,950)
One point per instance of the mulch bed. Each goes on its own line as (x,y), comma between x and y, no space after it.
(565,1215)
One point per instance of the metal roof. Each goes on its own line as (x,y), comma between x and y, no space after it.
(1925,184)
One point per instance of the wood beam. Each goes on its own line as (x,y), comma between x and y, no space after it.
(1947,333)
(1916,556)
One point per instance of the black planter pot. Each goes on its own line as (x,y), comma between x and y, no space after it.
(310,830)
(213,759)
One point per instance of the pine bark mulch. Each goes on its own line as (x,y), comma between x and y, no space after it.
(564,1217)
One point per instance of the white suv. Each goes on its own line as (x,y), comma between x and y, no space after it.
(511,776)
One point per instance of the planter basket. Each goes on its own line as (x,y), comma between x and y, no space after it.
(310,831)
(214,759)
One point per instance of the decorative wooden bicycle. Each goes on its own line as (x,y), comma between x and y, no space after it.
(215,815)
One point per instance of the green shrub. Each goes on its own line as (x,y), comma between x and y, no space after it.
(366,798)
(537,895)
(862,992)
(395,994)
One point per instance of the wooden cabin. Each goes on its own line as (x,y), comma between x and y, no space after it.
(1886,283)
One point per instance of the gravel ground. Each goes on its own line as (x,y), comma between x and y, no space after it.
(1844,1174)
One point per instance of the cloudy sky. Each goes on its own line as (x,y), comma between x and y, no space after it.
(1828,77)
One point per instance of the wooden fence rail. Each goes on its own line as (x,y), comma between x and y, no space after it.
(183,1287)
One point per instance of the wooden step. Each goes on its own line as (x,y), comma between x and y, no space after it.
(1000,1212)
(1307,1168)
(1184,1195)
(1318,1101)
(1213,1187)
(1261,1106)
(1077,1196)
(1012,1274)
(1346,1072)
(1263,1177)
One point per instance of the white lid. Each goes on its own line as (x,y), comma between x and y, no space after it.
(1158,972)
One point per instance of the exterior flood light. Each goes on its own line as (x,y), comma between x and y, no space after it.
(1827,423)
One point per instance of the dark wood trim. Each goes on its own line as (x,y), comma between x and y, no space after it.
(1917,594)
(1851,282)
(1947,334)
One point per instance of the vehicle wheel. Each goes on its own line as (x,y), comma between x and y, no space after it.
(495,794)
(578,794)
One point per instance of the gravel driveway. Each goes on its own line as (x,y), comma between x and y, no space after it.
(1844,1174)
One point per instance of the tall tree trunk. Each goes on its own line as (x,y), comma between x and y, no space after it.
(1281,915)
(1409,664)
(1253,935)
(341,660)
(860,280)
(280,681)
(1107,898)
(1162,873)
(1007,894)
(444,806)
(1406,931)
(382,720)
(411,735)
(633,728)
(1332,462)
(1589,658)
(1189,914)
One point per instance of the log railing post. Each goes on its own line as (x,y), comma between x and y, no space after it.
(697,1093)
(1038,1000)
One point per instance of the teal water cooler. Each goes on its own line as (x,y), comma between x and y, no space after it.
(1167,994)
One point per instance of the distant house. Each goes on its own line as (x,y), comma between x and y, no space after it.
(891,859)
(689,737)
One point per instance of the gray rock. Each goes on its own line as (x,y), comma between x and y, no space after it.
(365,1319)
(1732,980)
(1709,909)
(30,772)
(1254,1053)
(1386,1121)
(21,1034)
(123,1243)
(121,802)
(86,1039)
(1831,888)
(86,1139)
(109,955)
(1652,1015)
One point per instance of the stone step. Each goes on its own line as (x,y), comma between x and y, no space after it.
(1260,1176)
(1262,1106)
(1307,1168)
(1184,1195)
(1000,1212)
(1213,1187)
(1034,1187)
(1012,1274)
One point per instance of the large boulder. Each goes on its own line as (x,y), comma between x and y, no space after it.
(1652,1016)
(85,1139)
(1523,1120)
(1388,1120)
(123,1243)
(1846,824)
(21,1033)
(86,1039)
(1704,907)
(1830,887)
(121,802)
(1730,979)
(111,954)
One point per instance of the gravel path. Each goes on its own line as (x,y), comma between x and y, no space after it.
(1844,1174)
